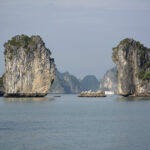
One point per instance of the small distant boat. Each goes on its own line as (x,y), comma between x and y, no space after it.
(57,96)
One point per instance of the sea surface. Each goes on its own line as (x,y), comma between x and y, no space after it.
(72,123)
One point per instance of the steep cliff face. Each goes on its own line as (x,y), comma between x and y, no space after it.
(29,70)
(133,64)
(109,81)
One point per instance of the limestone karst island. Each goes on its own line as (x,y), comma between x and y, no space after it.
(29,70)
(133,64)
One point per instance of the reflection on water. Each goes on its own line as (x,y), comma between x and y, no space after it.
(27,99)
(131,98)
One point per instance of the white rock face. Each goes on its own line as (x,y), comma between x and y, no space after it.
(133,64)
(29,70)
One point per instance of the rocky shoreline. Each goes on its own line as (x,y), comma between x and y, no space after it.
(92,94)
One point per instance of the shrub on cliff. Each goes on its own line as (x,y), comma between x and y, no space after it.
(19,41)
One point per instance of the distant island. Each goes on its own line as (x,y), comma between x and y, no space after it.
(66,83)
(69,84)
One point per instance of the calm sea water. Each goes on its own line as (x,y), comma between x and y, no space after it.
(72,123)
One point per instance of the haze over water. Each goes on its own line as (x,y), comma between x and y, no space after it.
(72,123)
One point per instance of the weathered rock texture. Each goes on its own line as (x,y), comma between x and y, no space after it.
(109,81)
(133,64)
(29,70)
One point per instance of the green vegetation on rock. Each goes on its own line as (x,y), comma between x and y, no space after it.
(143,74)
(23,41)
(146,76)
(129,41)
(14,42)
(125,41)
(142,49)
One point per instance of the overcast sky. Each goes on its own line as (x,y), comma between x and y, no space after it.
(80,33)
